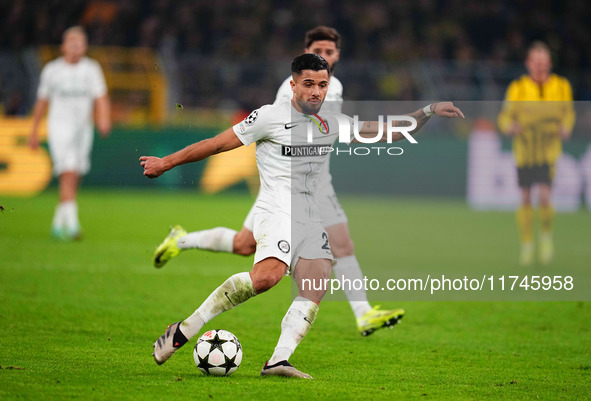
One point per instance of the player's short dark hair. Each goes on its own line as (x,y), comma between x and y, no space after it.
(309,61)
(322,33)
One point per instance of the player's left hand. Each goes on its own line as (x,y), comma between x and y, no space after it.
(447,109)
(153,166)
(564,133)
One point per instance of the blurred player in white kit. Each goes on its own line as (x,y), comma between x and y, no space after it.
(71,86)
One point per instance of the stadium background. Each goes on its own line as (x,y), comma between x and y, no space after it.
(179,71)
(77,319)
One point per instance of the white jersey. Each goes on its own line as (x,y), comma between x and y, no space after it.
(71,90)
(332,102)
(289,165)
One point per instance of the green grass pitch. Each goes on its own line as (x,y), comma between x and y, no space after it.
(77,320)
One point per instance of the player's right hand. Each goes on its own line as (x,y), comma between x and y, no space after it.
(153,166)
(33,141)
(515,129)
(447,109)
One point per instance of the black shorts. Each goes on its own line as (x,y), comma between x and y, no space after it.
(528,176)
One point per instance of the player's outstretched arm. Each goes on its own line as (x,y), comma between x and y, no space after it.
(441,109)
(155,166)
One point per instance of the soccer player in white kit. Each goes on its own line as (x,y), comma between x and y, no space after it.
(71,85)
(326,42)
(287,223)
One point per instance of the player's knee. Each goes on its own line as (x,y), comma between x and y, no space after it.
(342,248)
(525,198)
(244,243)
(545,195)
(244,249)
(264,283)
(266,274)
(314,288)
(325,274)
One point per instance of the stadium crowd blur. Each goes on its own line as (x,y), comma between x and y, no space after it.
(226,49)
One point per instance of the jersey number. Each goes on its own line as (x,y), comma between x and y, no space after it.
(325,246)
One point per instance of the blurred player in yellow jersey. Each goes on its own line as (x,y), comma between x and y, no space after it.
(538,113)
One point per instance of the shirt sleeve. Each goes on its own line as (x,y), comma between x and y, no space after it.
(569,116)
(507,115)
(338,91)
(284,92)
(43,90)
(253,128)
(99,88)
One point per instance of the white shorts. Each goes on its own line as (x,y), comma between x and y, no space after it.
(70,149)
(331,211)
(249,220)
(278,237)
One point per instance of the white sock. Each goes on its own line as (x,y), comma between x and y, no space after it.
(347,268)
(59,216)
(233,292)
(219,239)
(294,327)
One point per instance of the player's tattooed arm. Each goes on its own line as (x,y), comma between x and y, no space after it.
(420,117)
(441,109)
(155,166)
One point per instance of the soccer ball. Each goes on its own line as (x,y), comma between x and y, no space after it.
(218,353)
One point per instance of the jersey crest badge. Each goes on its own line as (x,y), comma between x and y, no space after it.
(283,246)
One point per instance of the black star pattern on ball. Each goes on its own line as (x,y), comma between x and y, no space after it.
(236,342)
(230,362)
(204,364)
(216,342)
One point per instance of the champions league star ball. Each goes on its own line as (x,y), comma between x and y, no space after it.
(218,353)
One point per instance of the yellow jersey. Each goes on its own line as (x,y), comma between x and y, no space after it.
(540,110)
